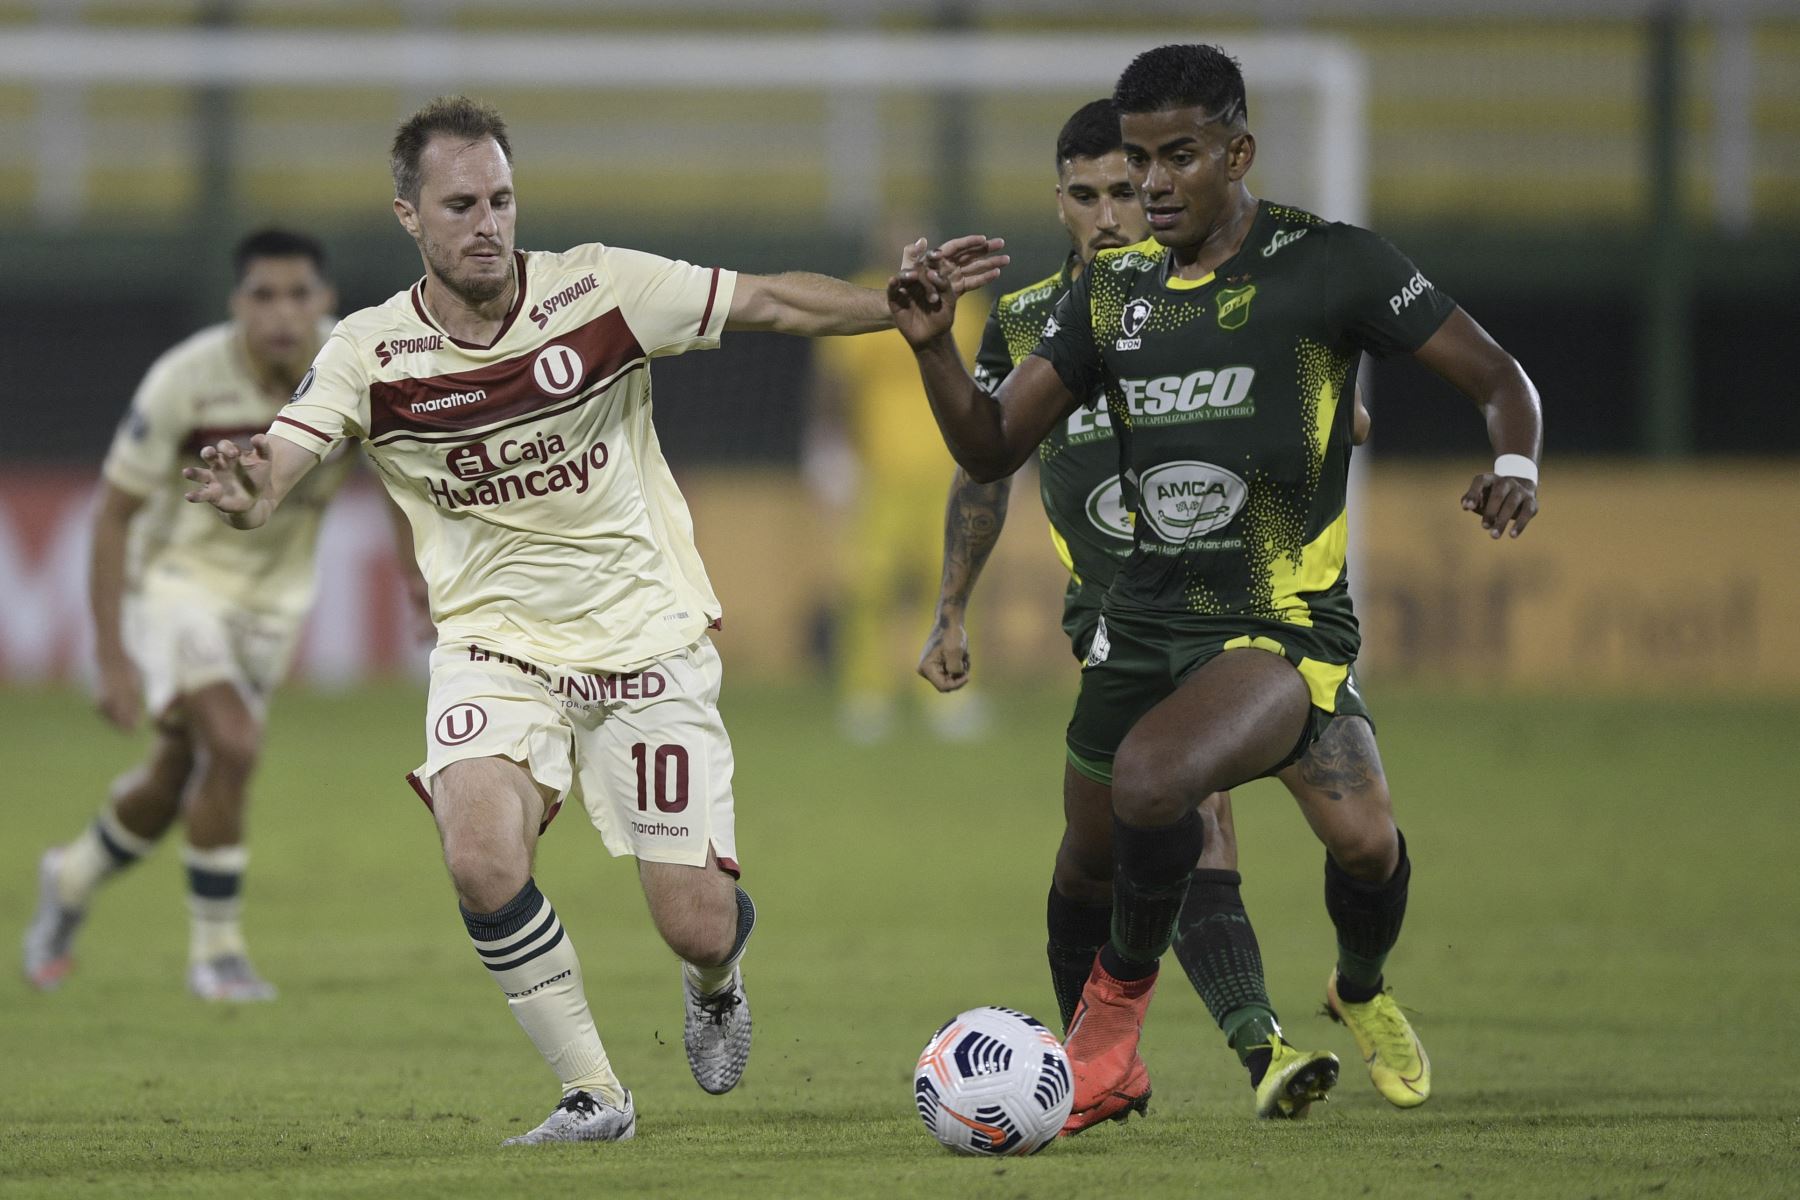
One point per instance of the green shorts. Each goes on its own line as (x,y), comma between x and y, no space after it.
(1135,661)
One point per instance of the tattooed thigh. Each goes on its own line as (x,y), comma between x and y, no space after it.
(1343,761)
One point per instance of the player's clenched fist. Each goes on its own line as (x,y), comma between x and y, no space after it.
(1500,499)
(945,660)
(233,480)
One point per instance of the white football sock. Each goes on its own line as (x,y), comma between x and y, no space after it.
(215,900)
(525,949)
(101,851)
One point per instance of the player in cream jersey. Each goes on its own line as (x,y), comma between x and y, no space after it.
(548,524)
(193,620)
(505,399)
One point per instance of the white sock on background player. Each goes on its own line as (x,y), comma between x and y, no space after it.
(525,949)
(101,851)
(215,901)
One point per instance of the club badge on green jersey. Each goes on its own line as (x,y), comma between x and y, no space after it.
(1234,305)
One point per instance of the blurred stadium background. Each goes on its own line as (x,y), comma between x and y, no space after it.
(1586,729)
(1611,186)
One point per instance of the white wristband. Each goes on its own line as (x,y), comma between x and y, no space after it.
(1517,466)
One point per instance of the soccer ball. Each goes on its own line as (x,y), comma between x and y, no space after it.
(993,1081)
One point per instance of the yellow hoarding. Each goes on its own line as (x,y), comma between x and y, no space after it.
(1635,578)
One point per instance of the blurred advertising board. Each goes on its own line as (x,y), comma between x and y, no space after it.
(1636,578)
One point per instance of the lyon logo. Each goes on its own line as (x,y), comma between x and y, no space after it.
(558,370)
(460,723)
(470,462)
(1133,318)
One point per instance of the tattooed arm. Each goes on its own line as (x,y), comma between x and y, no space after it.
(972,521)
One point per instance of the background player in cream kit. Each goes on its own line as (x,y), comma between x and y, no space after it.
(505,399)
(193,622)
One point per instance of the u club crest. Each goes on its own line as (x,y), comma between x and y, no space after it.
(558,370)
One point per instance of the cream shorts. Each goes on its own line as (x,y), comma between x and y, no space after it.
(645,753)
(181,644)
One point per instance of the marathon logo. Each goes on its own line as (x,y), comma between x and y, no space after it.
(387,352)
(476,462)
(541,313)
(1415,287)
(453,400)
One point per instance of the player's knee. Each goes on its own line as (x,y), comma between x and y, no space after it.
(232,747)
(1148,792)
(484,879)
(1368,853)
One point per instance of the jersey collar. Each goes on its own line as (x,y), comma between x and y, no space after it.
(1171,283)
(512,314)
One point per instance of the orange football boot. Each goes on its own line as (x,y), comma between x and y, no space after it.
(1111,1081)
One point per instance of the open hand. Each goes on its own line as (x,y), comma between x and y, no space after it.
(923,302)
(1500,499)
(233,479)
(922,297)
(974,261)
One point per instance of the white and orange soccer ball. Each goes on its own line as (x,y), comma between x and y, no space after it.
(993,1081)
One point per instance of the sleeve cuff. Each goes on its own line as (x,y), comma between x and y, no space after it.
(718,304)
(302,435)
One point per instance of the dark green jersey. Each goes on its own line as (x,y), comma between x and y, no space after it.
(1078,463)
(1231,396)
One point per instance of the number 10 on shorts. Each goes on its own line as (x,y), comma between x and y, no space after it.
(669,767)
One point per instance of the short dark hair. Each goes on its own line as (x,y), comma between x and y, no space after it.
(1091,132)
(458,116)
(276,243)
(1184,76)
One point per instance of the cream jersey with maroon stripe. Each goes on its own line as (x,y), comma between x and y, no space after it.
(198,392)
(546,522)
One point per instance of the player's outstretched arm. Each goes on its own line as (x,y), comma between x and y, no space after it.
(246,486)
(809,305)
(973,518)
(990,437)
(1466,357)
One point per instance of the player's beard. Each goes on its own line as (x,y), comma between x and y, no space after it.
(469,289)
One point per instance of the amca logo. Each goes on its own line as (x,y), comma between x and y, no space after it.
(1185,500)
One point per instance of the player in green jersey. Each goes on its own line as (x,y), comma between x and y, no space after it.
(1225,346)
(1078,475)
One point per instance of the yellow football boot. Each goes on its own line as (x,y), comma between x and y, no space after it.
(1391,1050)
(1295,1079)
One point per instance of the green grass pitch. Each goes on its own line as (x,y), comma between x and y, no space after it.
(1600,950)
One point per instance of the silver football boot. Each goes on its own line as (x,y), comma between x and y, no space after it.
(229,978)
(716,1033)
(583,1117)
(50,938)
